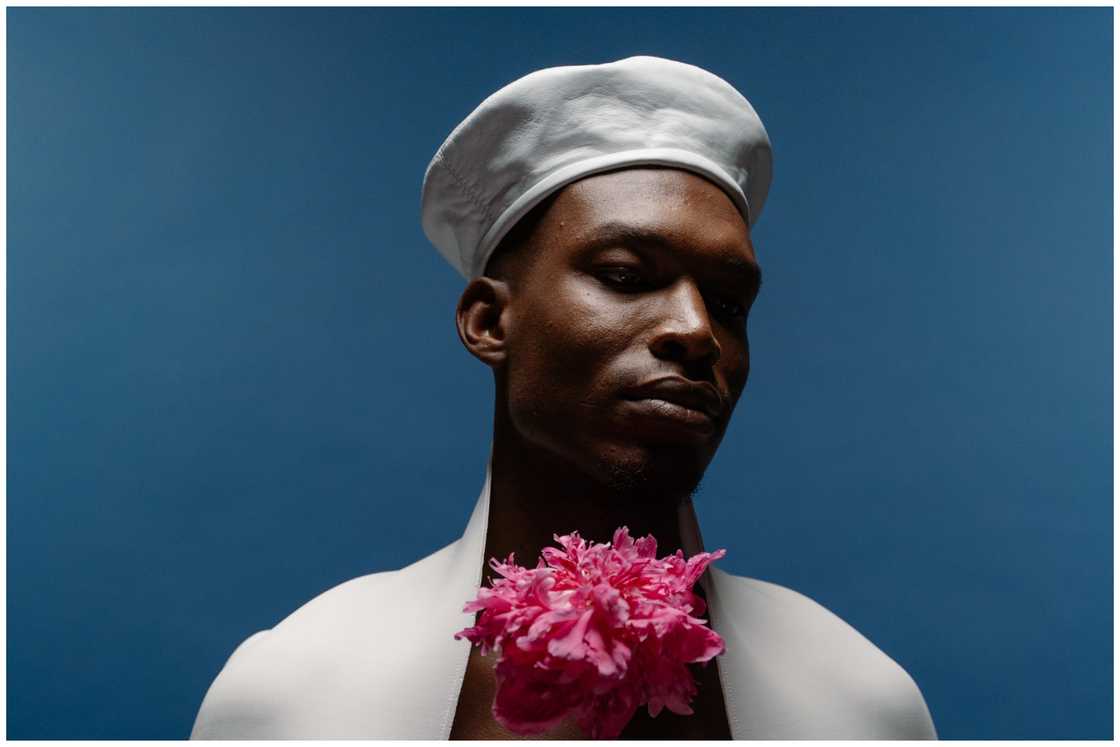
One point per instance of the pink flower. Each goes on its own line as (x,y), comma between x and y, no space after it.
(595,632)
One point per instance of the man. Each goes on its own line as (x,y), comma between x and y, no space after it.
(602,215)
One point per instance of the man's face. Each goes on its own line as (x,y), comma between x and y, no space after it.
(633,277)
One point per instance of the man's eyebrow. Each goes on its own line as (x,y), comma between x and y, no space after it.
(615,232)
(741,269)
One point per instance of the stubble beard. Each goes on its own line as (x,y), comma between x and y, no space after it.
(660,478)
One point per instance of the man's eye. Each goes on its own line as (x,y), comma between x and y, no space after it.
(622,276)
(731,309)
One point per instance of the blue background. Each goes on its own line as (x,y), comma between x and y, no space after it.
(234,380)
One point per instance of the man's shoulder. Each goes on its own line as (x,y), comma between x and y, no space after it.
(781,614)
(802,646)
(283,682)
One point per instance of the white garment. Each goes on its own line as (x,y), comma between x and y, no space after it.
(375,658)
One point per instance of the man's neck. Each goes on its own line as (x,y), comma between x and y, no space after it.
(535,494)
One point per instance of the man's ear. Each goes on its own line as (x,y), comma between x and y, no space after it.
(483,317)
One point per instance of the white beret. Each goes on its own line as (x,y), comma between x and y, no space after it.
(557,125)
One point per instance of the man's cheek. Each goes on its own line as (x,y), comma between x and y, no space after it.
(593,314)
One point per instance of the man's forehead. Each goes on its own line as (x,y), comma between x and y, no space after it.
(734,252)
(657,207)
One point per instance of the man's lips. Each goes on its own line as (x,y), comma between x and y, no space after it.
(694,395)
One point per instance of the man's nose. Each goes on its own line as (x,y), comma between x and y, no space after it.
(684,332)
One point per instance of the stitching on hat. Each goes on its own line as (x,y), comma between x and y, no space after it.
(466,186)
(472,195)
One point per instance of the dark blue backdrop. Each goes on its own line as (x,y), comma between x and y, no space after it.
(234,380)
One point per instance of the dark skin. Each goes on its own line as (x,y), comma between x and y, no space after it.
(628,276)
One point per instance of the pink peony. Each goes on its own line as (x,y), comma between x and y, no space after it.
(594,631)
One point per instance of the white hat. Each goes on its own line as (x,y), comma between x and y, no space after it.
(557,125)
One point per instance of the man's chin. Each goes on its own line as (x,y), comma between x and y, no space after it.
(651,474)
